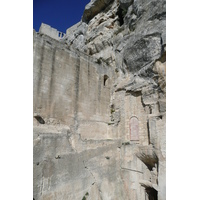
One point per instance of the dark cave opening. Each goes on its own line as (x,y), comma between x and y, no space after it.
(121,14)
(152,194)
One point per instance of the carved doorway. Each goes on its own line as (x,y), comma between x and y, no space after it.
(134,129)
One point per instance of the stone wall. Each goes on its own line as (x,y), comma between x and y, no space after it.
(52,32)
(69,89)
(99,110)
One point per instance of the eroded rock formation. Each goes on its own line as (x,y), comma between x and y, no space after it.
(100,105)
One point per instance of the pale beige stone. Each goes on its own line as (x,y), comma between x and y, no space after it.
(100,121)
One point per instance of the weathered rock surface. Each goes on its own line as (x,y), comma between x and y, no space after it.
(100,105)
(145,50)
(93,8)
(124,4)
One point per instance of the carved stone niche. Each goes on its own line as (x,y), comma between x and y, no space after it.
(134,129)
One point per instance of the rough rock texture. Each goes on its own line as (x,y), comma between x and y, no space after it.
(100,105)
(93,8)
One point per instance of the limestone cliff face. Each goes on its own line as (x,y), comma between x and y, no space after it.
(100,105)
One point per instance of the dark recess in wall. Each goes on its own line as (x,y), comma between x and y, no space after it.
(152,193)
(121,14)
(39,119)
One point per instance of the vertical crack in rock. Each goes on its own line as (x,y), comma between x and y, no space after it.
(99,89)
(40,69)
(42,186)
(88,60)
(90,172)
(95,181)
(77,94)
(52,75)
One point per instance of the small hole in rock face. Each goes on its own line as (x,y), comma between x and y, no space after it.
(107,157)
(39,119)
(105,78)
(57,157)
(37,163)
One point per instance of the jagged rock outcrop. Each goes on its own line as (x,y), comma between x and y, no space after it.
(100,105)
(107,34)
(93,8)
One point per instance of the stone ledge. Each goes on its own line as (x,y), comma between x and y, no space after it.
(147,155)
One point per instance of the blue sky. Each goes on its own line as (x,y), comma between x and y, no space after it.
(60,14)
